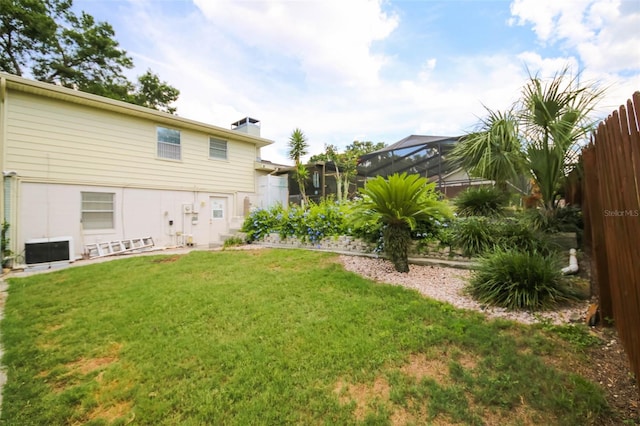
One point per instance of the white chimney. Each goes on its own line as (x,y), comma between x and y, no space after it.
(247,125)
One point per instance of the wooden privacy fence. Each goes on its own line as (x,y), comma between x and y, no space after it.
(611,208)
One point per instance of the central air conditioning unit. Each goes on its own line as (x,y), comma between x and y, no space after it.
(47,250)
(187,208)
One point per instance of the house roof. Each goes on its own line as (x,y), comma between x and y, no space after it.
(9,81)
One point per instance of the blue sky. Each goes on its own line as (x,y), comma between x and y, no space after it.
(345,70)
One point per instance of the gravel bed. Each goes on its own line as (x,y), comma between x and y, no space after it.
(446,285)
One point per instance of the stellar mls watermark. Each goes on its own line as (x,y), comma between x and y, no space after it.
(622,213)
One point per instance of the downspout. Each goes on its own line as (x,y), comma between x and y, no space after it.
(573,263)
(3,95)
(7,176)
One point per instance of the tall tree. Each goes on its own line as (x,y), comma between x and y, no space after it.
(298,148)
(346,163)
(46,40)
(153,93)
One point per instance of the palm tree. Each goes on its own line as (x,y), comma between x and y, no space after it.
(400,202)
(554,118)
(494,151)
(298,147)
(537,138)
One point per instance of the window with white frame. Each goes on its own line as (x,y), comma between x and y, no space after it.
(169,143)
(97,210)
(217,148)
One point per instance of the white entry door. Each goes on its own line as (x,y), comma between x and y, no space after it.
(218,219)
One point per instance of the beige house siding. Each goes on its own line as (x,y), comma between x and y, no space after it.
(55,141)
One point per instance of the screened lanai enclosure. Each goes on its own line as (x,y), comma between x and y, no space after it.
(415,154)
(419,154)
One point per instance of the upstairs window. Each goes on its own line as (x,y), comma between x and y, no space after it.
(217,149)
(169,143)
(97,210)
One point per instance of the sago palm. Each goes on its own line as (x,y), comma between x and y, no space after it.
(399,202)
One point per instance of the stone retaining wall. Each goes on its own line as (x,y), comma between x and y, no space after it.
(342,243)
(437,256)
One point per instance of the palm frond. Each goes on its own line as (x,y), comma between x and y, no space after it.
(494,151)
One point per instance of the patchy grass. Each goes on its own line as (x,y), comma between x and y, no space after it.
(273,337)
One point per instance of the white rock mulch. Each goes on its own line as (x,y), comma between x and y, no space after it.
(446,285)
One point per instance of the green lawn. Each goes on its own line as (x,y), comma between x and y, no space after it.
(273,337)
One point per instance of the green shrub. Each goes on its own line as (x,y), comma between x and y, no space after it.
(481,201)
(565,219)
(233,241)
(311,223)
(291,222)
(368,228)
(520,280)
(261,222)
(314,222)
(514,234)
(474,235)
(445,235)
(5,252)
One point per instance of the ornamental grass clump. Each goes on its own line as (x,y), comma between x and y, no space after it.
(520,280)
(518,235)
(474,235)
(481,201)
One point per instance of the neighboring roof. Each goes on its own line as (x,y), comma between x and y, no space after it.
(328,165)
(420,154)
(415,140)
(269,166)
(10,81)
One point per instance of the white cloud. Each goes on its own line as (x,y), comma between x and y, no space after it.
(330,40)
(603,32)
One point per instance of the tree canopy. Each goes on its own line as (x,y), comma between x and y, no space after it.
(346,162)
(46,40)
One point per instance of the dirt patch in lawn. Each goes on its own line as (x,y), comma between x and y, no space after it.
(419,367)
(167,259)
(362,394)
(87,365)
(111,413)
